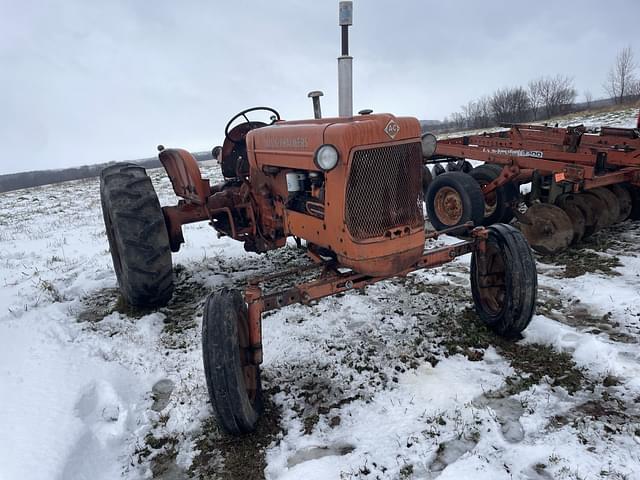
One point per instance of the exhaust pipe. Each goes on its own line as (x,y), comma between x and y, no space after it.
(345,62)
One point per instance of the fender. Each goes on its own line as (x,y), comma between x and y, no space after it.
(185,175)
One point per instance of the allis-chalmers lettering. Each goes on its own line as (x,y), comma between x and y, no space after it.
(280,143)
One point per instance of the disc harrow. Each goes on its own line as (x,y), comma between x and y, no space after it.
(581,180)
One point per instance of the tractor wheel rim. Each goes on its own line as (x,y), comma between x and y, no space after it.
(448,206)
(249,370)
(492,281)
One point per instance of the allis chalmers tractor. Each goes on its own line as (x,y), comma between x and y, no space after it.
(350,187)
(581,181)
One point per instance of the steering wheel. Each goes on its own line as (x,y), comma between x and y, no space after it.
(237,137)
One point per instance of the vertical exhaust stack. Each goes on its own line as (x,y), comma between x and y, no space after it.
(345,63)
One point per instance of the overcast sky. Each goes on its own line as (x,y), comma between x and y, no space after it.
(92,81)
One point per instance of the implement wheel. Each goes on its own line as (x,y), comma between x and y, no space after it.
(504,281)
(549,229)
(233,381)
(611,211)
(625,202)
(497,204)
(137,234)
(452,199)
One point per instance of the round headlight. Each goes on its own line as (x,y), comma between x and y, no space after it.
(428,144)
(326,157)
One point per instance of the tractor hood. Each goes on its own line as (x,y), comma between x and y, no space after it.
(293,144)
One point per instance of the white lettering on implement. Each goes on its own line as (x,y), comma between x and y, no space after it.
(514,153)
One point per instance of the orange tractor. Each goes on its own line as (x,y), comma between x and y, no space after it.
(348,189)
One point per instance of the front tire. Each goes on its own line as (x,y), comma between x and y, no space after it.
(137,234)
(504,286)
(233,381)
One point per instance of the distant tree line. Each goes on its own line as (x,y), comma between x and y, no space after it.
(545,97)
(17,181)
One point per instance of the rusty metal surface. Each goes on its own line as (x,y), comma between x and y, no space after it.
(291,145)
(551,150)
(448,206)
(548,229)
(384,192)
(334,281)
(625,202)
(184,173)
(373,222)
(611,209)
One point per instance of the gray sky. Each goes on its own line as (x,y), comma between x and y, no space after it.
(84,81)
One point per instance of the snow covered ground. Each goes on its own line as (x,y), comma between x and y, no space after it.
(399,381)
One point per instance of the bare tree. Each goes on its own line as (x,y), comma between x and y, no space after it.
(478,113)
(588,98)
(458,120)
(486,117)
(536,96)
(621,77)
(634,90)
(510,105)
(557,93)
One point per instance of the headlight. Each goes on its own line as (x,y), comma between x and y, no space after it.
(428,144)
(326,157)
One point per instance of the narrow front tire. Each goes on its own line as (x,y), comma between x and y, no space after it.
(233,380)
(504,281)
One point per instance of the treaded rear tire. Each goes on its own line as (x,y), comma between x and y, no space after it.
(137,234)
(225,318)
(517,294)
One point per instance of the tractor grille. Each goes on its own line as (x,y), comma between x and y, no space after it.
(384,190)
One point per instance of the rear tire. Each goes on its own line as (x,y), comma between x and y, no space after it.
(504,289)
(137,234)
(452,199)
(233,382)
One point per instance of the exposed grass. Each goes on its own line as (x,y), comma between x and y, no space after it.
(533,363)
(579,262)
(244,456)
